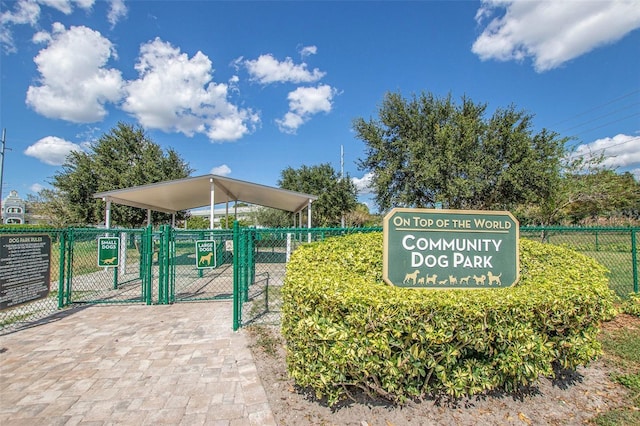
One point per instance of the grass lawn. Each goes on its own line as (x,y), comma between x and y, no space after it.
(621,343)
(620,266)
(85,258)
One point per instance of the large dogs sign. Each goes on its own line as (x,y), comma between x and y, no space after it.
(450,249)
(206,254)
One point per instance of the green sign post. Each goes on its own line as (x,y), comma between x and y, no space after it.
(108,252)
(450,249)
(206,254)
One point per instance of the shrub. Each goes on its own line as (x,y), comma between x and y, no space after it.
(345,328)
(632,305)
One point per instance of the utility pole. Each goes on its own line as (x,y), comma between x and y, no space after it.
(4,134)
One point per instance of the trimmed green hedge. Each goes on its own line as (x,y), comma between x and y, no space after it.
(345,328)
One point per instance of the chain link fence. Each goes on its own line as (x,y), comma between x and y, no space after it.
(170,266)
(261,265)
(614,248)
(265,252)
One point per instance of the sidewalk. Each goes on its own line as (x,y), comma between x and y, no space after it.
(178,364)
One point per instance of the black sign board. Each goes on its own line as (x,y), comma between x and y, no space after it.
(25,268)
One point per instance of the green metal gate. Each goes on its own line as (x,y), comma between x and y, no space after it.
(260,267)
(87,281)
(183,277)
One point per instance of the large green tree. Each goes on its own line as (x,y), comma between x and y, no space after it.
(121,158)
(587,192)
(49,206)
(426,150)
(274,218)
(336,196)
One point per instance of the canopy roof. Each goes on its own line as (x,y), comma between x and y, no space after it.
(192,192)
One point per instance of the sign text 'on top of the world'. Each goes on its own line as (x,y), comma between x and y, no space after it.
(426,248)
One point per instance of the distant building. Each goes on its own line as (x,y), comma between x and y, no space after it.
(14,209)
(245,212)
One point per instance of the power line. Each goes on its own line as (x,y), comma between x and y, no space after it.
(595,108)
(618,144)
(602,116)
(606,124)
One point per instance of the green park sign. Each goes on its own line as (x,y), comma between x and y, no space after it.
(450,249)
(108,252)
(206,254)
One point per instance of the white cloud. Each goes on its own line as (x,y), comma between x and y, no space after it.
(52,150)
(363,184)
(311,100)
(222,170)
(117,11)
(619,151)
(74,82)
(36,187)
(267,69)
(308,51)
(305,102)
(28,12)
(290,122)
(551,32)
(66,6)
(636,173)
(176,93)
(24,12)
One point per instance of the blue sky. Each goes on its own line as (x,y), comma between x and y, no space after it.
(247,89)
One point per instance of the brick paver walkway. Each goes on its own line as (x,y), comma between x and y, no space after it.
(132,365)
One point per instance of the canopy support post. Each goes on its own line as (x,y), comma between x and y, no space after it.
(211,203)
(107,215)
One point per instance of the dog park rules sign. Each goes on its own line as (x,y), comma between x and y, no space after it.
(450,249)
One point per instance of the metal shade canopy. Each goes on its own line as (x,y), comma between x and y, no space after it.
(193,192)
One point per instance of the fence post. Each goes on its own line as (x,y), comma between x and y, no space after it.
(172,263)
(68,266)
(148,259)
(237,304)
(115,278)
(163,266)
(63,248)
(634,260)
(200,271)
(250,269)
